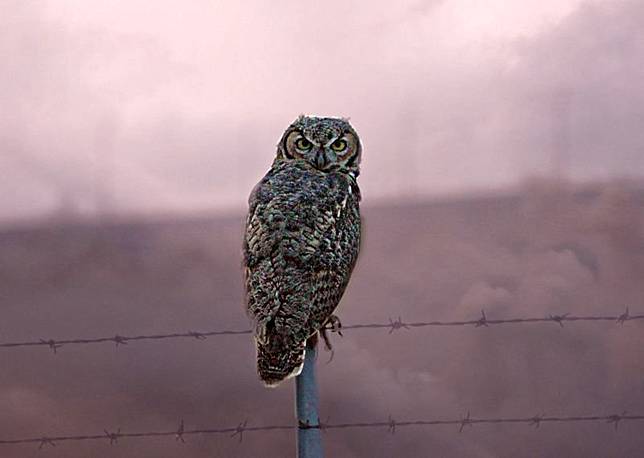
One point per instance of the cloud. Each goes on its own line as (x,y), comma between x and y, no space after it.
(99,102)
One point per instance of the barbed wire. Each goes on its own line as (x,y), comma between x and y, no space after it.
(392,325)
(483,321)
(391,424)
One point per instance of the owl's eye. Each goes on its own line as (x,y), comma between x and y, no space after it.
(303,144)
(339,145)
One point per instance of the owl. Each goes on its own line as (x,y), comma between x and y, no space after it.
(301,241)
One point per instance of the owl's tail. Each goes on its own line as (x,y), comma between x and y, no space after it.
(278,361)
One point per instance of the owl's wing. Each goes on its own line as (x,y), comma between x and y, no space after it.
(336,260)
(259,271)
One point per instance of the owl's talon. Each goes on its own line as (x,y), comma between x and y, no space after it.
(327,342)
(333,324)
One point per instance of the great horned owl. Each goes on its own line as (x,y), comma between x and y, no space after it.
(302,241)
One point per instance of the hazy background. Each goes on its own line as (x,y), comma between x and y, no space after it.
(120,106)
(503,169)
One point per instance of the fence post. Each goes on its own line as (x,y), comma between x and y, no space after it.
(309,440)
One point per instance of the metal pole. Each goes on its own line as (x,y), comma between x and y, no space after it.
(309,440)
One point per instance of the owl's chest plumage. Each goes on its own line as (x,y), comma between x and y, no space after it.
(303,217)
(301,244)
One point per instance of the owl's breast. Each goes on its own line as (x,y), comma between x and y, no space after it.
(302,217)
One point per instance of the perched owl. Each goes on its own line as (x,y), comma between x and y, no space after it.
(302,240)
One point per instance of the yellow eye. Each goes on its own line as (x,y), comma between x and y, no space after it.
(303,144)
(339,145)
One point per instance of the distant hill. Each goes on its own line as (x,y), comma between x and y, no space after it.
(551,248)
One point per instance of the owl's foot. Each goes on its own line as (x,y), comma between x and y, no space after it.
(327,343)
(325,337)
(331,357)
(333,324)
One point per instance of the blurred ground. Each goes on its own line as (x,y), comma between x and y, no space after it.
(550,248)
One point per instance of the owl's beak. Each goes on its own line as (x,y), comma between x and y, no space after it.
(320,159)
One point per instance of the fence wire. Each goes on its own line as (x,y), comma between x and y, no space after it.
(391,325)
(113,437)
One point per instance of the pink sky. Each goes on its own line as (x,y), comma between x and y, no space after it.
(179,106)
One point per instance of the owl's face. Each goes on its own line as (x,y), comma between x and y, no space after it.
(327,144)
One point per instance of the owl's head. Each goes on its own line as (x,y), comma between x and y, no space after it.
(328,144)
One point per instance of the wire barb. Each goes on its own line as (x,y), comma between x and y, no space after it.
(623,317)
(52,344)
(119,340)
(396,325)
(536,420)
(481,321)
(615,419)
(197,335)
(179,434)
(239,430)
(113,437)
(46,441)
(391,425)
(559,318)
(465,421)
